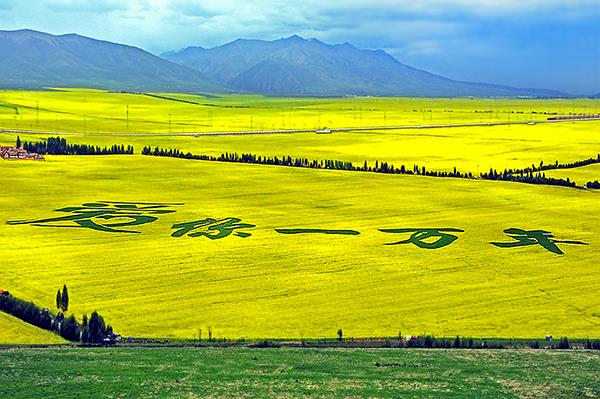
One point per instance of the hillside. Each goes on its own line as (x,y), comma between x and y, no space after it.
(33,59)
(16,331)
(299,67)
(153,284)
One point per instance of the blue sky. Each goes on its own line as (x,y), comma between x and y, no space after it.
(528,43)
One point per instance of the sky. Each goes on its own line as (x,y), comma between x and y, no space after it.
(552,44)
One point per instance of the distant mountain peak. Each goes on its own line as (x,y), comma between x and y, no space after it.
(294,38)
(293,66)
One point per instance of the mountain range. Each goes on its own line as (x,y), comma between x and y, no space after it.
(290,66)
(33,59)
(299,67)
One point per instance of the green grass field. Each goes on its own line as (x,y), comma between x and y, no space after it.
(294,373)
(307,285)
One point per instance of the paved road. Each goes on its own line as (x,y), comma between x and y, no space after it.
(295,131)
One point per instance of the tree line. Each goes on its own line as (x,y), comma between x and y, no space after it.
(556,165)
(593,184)
(429,341)
(526,176)
(59,146)
(530,175)
(380,167)
(90,331)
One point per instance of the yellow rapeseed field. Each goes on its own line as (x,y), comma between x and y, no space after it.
(304,285)
(15,331)
(94,111)
(257,281)
(98,116)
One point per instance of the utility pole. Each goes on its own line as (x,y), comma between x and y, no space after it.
(127,117)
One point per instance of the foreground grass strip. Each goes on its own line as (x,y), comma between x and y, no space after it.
(292,373)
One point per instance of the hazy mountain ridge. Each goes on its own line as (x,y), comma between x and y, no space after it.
(296,66)
(34,59)
(291,66)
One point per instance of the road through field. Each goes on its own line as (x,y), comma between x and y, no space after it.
(293,131)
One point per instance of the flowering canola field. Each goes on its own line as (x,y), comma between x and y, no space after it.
(167,247)
(269,284)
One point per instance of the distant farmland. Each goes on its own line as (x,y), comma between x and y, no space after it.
(365,275)
(97,116)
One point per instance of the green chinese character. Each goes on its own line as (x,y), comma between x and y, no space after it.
(534,237)
(97,216)
(421,237)
(212,228)
(318,231)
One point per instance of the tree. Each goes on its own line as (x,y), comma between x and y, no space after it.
(18,142)
(96,329)
(340,334)
(456,342)
(564,343)
(85,329)
(69,329)
(64,301)
(58,299)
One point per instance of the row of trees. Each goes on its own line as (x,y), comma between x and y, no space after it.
(429,341)
(593,184)
(59,146)
(532,175)
(93,330)
(380,167)
(543,167)
(522,176)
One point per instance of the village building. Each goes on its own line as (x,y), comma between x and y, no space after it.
(14,153)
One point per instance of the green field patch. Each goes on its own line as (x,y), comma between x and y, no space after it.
(298,373)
